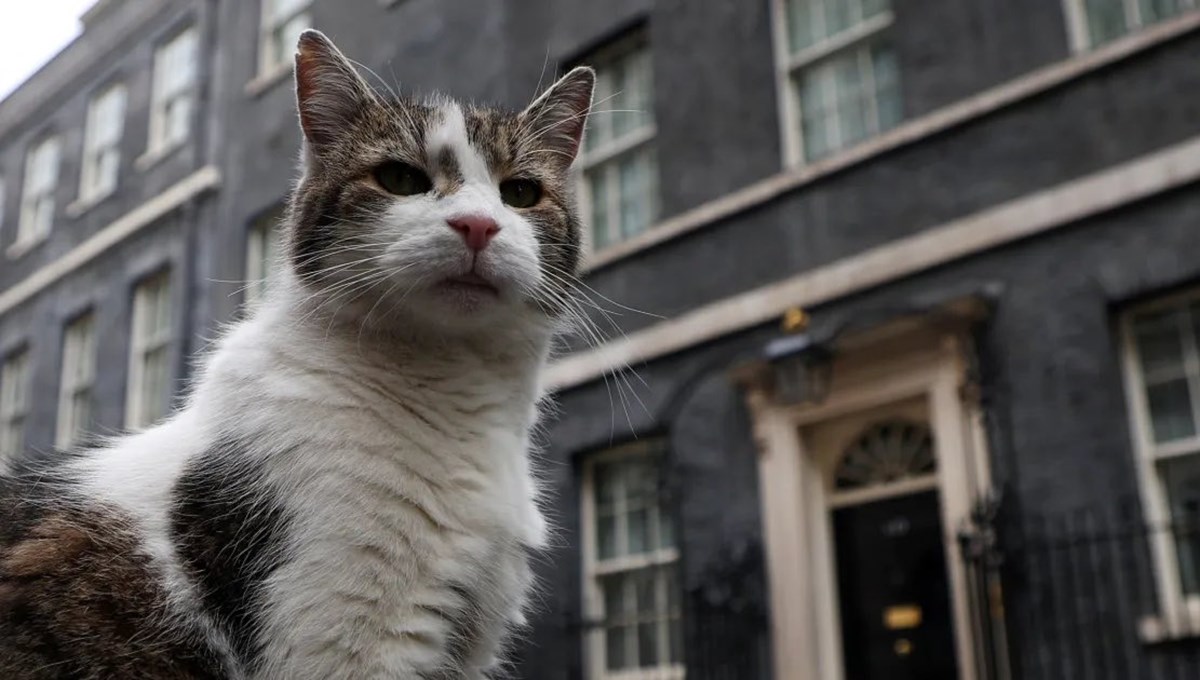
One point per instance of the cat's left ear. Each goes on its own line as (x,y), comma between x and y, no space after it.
(330,95)
(557,118)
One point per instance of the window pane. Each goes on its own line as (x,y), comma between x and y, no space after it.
(838,16)
(615,644)
(802,24)
(1171,410)
(1157,10)
(598,198)
(1106,19)
(647,644)
(816,106)
(1182,479)
(606,536)
(666,529)
(852,100)
(639,529)
(281,9)
(1159,340)
(874,7)
(887,88)
(634,177)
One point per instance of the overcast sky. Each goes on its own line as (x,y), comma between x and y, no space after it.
(31,32)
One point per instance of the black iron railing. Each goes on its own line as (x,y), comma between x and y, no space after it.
(1097,594)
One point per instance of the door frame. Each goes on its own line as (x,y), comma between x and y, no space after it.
(922,361)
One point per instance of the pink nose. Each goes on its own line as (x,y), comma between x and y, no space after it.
(476,230)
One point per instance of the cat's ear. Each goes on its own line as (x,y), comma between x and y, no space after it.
(330,94)
(557,118)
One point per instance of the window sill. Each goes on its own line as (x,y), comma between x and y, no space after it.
(152,157)
(81,205)
(267,79)
(19,248)
(1183,624)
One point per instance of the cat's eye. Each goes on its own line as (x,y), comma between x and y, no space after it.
(402,179)
(520,193)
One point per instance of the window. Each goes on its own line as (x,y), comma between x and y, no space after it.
(174,92)
(282,23)
(262,254)
(101,145)
(630,567)
(1163,369)
(620,171)
(1099,21)
(842,78)
(37,201)
(149,367)
(14,402)
(78,375)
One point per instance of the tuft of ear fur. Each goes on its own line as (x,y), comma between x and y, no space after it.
(557,118)
(330,94)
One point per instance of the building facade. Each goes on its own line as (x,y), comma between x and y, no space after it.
(974,450)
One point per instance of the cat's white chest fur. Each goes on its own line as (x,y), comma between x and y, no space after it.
(413,506)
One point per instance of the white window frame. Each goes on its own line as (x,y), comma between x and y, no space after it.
(1077,21)
(273,59)
(263,243)
(14,402)
(160,143)
(95,183)
(1177,611)
(140,410)
(607,155)
(34,225)
(78,377)
(595,569)
(788,65)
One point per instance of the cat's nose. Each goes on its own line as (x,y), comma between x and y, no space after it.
(476,230)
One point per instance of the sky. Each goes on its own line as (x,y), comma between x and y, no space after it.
(31,32)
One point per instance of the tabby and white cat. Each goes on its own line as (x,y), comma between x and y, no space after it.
(347,492)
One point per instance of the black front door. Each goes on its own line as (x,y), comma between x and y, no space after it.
(895,604)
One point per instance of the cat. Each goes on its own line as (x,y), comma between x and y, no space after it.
(347,490)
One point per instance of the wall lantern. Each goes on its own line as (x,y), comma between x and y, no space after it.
(801,369)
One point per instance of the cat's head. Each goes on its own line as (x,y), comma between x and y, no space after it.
(431,211)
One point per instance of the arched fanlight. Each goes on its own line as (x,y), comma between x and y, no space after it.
(886,452)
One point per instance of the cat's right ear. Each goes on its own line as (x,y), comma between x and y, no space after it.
(330,94)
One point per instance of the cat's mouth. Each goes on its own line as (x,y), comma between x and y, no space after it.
(470,283)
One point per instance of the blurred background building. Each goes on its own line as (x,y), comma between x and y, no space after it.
(971,450)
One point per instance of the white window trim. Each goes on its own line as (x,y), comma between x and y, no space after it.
(611,151)
(9,414)
(269,72)
(1177,611)
(266,62)
(70,384)
(1077,22)
(788,64)
(27,235)
(89,193)
(140,346)
(157,147)
(593,569)
(259,269)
